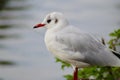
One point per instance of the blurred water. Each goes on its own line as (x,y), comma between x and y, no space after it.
(24,46)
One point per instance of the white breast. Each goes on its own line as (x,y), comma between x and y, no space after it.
(58,51)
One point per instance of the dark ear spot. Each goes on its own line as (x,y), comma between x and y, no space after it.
(56,20)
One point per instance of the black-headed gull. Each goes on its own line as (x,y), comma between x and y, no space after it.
(74,46)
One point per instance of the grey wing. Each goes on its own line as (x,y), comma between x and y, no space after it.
(94,52)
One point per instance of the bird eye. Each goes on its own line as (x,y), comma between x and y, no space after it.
(49,20)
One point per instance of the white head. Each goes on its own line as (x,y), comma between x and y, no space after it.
(54,19)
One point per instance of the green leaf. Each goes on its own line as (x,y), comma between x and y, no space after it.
(68,77)
(116,33)
(113,34)
(64,64)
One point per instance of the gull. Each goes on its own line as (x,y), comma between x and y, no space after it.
(74,46)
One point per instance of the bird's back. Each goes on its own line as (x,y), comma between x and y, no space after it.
(74,46)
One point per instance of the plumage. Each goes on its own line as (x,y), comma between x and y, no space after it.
(74,46)
(81,47)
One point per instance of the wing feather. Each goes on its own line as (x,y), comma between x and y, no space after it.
(93,51)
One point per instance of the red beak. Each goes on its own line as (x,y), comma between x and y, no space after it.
(39,25)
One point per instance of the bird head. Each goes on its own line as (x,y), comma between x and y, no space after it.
(54,19)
